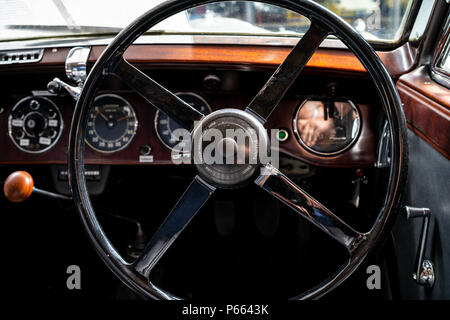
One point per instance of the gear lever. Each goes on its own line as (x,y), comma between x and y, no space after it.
(20,185)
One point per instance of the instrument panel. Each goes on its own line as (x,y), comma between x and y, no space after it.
(316,130)
(124,128)
(238,77)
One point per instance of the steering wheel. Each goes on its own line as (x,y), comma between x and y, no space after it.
(323,23)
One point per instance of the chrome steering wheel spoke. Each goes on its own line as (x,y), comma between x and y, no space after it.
(156,94)
(278,84)
(186,208)
(285,190)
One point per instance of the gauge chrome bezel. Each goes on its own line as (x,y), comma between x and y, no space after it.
(321,153)
(158,112)
(60,127)
(135,126)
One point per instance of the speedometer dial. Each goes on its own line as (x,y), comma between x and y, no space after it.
(111,124)
(165,126)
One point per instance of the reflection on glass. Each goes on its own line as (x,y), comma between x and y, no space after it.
(327,127)
(377,20)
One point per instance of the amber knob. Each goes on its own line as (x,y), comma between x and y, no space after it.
(18,186)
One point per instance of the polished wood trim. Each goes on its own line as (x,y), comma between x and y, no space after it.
(425,116)
(397,61)
(54,56)
(400,60)
(421,81)
(256,55)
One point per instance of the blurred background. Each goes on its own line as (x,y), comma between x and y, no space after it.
(375,19)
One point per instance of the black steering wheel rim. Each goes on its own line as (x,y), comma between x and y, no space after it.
(316,13)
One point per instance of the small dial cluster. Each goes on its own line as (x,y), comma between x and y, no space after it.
(35,124)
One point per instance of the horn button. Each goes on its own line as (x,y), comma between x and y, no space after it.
(227,146)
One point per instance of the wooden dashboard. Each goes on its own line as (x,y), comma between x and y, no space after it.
(427,108)
(242,71)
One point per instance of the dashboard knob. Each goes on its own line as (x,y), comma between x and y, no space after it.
(145,150)
(211,81)
(18,186)
(34,104)
(19,134)
(54,87)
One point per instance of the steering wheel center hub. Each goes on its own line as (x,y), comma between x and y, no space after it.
(227,146)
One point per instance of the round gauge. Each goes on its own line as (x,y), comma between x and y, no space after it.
(111,124)
(35,124)
(166,126)
(327,128)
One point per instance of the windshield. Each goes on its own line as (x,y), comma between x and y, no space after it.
(377,20)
